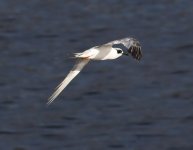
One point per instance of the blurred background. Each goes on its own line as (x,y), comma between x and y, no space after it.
(121,104)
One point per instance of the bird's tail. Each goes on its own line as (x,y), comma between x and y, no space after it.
(73,73)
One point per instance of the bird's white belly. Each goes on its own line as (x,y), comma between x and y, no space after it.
(105,54)
(111,55)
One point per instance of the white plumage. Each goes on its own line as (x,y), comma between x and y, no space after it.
(106,51)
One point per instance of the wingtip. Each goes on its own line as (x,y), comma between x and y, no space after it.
(48,104)
(50,100)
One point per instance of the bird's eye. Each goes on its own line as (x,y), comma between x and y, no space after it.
(119,51)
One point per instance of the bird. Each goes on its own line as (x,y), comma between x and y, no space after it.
(109,51)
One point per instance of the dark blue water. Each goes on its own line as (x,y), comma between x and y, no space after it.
(119,104)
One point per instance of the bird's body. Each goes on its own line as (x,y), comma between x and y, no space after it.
(106,51)
(99,53)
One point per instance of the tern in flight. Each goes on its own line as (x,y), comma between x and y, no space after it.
(111,50)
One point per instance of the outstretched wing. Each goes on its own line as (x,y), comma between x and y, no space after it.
(133,46)
(73,73)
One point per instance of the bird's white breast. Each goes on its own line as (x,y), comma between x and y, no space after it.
(112,54)
(104,53)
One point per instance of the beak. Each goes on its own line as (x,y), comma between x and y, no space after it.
(126,53)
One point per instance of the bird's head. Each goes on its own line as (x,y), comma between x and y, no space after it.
(119,51)
(132,47)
